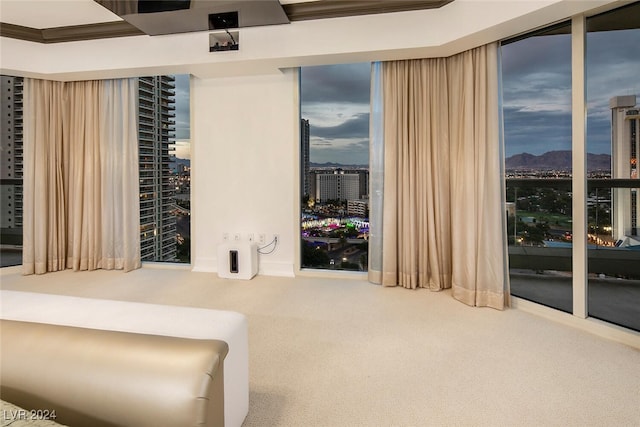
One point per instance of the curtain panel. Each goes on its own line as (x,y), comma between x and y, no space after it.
(81,191)
(441,193)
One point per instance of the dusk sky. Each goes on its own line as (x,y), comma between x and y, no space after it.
(335,100)
(183,134)
(536,75)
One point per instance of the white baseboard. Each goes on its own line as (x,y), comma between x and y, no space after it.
(593,326)
(14,269)
(279,269)
(265,268)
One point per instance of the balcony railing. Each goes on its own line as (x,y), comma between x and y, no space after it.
(608,261)
(541,263)
(604,256)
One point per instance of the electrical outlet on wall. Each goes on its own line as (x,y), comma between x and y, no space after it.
(225,237)
(237,237)
(261,238)
(250,237)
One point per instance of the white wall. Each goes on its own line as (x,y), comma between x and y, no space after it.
(244,143)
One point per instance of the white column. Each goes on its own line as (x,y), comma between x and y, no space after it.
(579,166)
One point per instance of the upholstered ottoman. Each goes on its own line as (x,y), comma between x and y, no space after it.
(175,321)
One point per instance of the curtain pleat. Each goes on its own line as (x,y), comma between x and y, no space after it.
(119,165)
(477,196)
(44,235)
(376,175)
(75,153)
(442,201)
(416,176)
(83,139)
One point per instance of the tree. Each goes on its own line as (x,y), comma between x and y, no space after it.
(312,257)
(535,235)
(183,250)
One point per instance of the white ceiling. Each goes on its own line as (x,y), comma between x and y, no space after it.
(375,37)
(61,13)
(54,13)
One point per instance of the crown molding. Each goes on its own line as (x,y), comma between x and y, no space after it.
(341,8)
(90,32)
(21,33)
(320,9)
(71,33)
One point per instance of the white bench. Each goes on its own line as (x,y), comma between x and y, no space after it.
(185,322)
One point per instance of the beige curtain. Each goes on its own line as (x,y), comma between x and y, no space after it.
(120,185)
(442,204)
(81,193)
(44,202)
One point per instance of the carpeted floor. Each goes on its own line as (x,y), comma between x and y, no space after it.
(329,352)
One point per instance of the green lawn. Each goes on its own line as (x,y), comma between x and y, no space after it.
(554,220)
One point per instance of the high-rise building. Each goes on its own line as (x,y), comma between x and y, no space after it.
(305,186)
(337,185)
(358,208)
(156,119)
(11,160)
(156,132)
(625,147)
(364,182)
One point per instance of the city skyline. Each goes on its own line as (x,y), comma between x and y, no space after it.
(183,117)
(335,100)
(156,105)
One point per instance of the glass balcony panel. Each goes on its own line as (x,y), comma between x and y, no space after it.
(613,136)
(540,234)
(536,106)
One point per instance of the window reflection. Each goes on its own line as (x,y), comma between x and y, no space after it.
(613,121)
(536,78)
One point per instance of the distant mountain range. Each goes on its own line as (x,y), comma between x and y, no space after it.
(552,160)
(335,165)
(185,162)
(556,160)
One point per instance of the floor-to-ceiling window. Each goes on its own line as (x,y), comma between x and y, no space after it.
(11,163)
(536,86)
(545,229)
(165,167)
(164,156)
(181,167)
(613,136)
(334,166)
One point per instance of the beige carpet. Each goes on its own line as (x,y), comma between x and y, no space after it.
(327,352)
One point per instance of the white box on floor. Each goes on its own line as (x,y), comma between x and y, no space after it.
(237,260)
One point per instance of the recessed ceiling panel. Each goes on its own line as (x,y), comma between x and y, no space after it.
(182,16)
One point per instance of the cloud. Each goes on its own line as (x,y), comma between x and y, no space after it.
(345,151)
(356,126)
(613,61)
(330,114)
(341,83)
(536,132)
(536,78)
(335,100)
(314,141)
(547,54)
(183,116)
(598,135)
(182,149)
